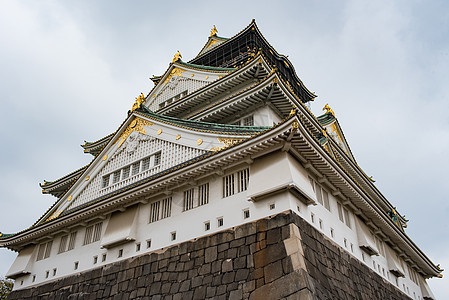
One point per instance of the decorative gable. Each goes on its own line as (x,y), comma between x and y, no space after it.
(180,80)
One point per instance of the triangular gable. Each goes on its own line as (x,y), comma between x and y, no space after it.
(212,42)
(180,80)
(333,129)
(155,145)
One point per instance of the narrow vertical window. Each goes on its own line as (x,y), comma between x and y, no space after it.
(207,226)
(243,179)
(148,244)
(219,222)
(76,264)
(103,257)
(125,172)
(72,241)
(48,249)
(62,244)
(137,247)
(340,212)
(246,214)
(188,199)
(203,194)
(145,164)
(105,181)
(157,159)
(41,252)
(120,253)
(88,235)
(326,200)
(166,208)
(318,193)
(228,185)
(347,220)
(97,232)
(173,235)
(116,176)
(135,168)
(154,211)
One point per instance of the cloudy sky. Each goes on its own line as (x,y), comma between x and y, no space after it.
(70,70)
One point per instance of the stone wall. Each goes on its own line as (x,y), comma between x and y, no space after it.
(282,257)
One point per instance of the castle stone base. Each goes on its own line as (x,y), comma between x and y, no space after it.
(282,257)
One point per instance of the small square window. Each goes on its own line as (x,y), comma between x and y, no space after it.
(76,264)
(103,257)
(54,271)
(120,253)
(272,206)
(207,225)
(246,214)
(173,235)
(137,247)
(95,259)
(148,244)
(220,222)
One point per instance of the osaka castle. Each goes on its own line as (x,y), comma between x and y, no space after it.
(220,183)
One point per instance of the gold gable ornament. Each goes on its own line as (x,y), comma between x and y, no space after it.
(177,57)
(139,101)
(328,109)
(213,31)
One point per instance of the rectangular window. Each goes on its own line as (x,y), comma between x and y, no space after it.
(148,244)
(228,185)
(166,208)
(137,247)
(203,194)
(72,241)
(188,199)
(207,226)
(41,252)
(154,211)
(95,259)
(347,220)
(126,172)
(246,214)
(173,235)
(340,212)
(47,273)
(93,233)
(326,200)
(135,168)
(105,181)
(248,121)
(62,244)
(219,222)
(145,164)
(318,193)
(116,177)
(120,253)
(103,257)
(157,159)
(97,232)
(48,249)
(243,179)
(75,267)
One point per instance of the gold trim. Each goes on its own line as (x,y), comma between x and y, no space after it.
(105,157)
(213,31)
(138,102)
(328,109)
(176,57)
(87,178)
(199,142)
(138,126)
(295,125)
(174,72)
(159,131)
(178,137)
(70,198)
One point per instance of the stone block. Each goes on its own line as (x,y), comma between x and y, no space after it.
(272,271)
(199,293)
(241,274)
(185,286)
(236,295)
(240,262)
(227,265)
(268,255)
(210,254)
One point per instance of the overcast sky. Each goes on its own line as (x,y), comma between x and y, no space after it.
(70,70)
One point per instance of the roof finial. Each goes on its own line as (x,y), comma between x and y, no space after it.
(138,102)
(213,31)
(177,57)
(328,109)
